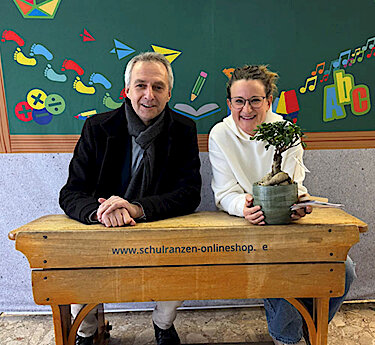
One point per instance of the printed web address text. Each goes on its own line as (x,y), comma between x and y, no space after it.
(215,248)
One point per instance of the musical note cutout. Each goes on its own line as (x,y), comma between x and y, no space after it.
(357,56)
(325,78)
(369,46)
(327,73)
(312,86)
(360,56)
(320,71)
(372,53)
(336,63)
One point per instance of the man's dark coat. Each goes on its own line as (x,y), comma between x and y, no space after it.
(101,165)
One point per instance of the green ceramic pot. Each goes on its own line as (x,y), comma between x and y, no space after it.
(276,201)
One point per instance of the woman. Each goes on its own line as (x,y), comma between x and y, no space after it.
(237,162)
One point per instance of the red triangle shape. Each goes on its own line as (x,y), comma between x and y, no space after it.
(87,36)
(25,8)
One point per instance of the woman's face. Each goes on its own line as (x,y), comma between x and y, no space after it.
(247,118)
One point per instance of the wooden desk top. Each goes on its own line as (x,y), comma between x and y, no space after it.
(56,241)
(200,220)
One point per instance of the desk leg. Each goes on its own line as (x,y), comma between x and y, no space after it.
(61,322)
(77,322)
(104,327)
(322,310)
(65,331)
(307,317)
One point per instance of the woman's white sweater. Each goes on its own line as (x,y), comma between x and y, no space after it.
(237,162)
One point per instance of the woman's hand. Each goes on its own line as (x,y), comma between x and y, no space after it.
(252,213)
(301,212)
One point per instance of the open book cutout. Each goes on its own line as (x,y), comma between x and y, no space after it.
(204,111)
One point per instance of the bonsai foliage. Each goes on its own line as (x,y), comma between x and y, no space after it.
(282,135)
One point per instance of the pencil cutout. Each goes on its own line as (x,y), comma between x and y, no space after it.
(198,86)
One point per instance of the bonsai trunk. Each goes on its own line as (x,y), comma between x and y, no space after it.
(276,166)
(276,176)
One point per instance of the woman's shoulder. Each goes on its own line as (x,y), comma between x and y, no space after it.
(222,127)
(273,117)
(218,128)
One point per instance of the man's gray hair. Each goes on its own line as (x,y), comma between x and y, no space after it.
(149,57)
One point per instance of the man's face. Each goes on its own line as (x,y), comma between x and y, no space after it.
(148,90)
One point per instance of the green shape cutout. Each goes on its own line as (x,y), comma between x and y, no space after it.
(35,12)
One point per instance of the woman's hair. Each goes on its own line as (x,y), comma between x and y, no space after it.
(255,72)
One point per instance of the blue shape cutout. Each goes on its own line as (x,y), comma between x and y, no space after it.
(36,13)
(97,78)
(332,110)
(39,49)
(121,49)
(197,117)
(42,116)
(275,104)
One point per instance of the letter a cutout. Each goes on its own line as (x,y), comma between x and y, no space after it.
(332,110)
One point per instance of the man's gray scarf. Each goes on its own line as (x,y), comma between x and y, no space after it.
(145,136)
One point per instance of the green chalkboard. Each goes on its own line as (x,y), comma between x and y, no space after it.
(293,37)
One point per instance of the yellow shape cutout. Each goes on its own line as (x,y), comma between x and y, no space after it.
(50,7)
(36,99)
(22,59)
(281,107)
(344,84)
(88,113)
(82,88)
(169,54)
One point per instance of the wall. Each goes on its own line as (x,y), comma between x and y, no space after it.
(29,186)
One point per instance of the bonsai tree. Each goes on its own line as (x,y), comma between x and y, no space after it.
(283,135)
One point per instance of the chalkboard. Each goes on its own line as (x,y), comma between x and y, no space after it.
(75,52)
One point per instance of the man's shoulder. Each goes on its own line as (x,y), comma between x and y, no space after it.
(101,118)
(181,120)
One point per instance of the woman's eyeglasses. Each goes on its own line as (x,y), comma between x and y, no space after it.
(255,102)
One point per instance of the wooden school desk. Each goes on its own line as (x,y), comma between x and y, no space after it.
(202,256)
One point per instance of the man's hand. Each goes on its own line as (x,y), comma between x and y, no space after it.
(253,213)
(117,211)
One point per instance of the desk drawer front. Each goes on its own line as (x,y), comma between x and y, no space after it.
(188,282)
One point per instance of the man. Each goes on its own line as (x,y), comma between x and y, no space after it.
(137,163)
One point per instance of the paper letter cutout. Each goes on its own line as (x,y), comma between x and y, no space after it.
(331,109)
(344,84)
(361,103)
